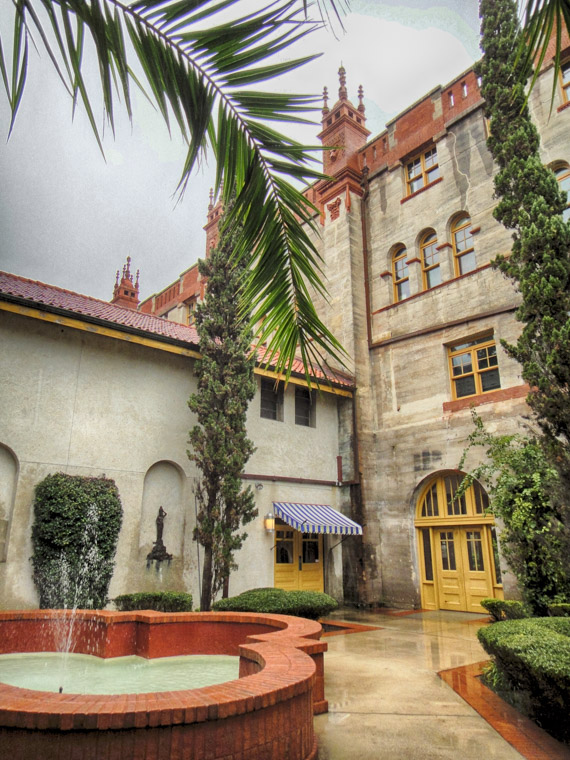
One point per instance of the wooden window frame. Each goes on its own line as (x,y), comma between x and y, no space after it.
(471,348)
(276,402)
(425,170)
(401,253)
(305,407)
(565,86)
(461,224)
(426,242)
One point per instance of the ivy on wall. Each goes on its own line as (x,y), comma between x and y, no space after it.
(77,521)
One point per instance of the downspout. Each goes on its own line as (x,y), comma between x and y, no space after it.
(365,186)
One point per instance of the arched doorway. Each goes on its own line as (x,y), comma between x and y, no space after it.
(456,546)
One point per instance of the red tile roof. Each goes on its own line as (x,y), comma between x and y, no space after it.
(49,295)
(39,294)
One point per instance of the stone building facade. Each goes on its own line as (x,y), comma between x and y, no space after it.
(407,234)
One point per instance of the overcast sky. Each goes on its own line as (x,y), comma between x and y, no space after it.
(69,218)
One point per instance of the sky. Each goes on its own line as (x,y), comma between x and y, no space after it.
(70,218)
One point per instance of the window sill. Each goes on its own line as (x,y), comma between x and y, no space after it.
(501,394)
(421,190)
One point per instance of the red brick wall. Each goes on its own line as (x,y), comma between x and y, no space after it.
(267,713)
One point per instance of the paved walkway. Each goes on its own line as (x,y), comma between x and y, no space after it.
(386,700)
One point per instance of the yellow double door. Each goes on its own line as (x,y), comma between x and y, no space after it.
(464,566)
(298,563)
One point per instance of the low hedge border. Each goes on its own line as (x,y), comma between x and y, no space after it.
(505,609)
(307,604)
(561,609)
(532,668)
(161,601)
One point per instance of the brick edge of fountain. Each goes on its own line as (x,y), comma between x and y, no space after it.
(266,713)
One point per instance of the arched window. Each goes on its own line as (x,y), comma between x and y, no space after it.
(565,81)
(562,174)
(429,255)
(401,274)
(463,250)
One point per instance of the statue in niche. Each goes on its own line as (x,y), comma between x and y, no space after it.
(159,552)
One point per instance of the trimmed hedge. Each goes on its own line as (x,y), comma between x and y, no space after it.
(77,520)
(161,601)
(561,609)
(307,604)
(505,609)
(532,661)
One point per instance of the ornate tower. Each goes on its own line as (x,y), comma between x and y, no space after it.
(344,132)
(125,292)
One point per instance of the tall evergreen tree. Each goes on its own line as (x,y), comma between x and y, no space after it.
(220,446)
(531,204)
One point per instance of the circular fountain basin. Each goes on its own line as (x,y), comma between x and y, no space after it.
(265,713)
(71,673)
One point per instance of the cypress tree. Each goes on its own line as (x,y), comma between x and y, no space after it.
(220,446)
(531,204)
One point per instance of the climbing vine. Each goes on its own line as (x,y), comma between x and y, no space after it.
(74,537)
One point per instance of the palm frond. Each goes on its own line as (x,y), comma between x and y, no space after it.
(543,20)
(201,66)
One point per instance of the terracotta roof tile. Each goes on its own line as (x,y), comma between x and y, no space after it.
(50,295)
(39,294)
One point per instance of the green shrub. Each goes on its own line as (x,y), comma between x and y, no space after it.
(561,609)
(308,604)
(162,601)
(505,609)
(74,537)
(532,658)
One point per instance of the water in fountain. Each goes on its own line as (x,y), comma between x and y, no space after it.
(74,582)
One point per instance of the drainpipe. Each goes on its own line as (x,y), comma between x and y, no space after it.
(366,188)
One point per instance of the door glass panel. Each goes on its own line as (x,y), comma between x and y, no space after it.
(447,550)
(475,550)
(481,499)
(284,547)
(454,506)
(430,506)
(498,576)
(310,548)
(427,554)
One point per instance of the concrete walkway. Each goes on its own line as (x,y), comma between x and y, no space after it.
(386,700)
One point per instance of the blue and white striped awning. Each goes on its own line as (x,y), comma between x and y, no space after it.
(316,518)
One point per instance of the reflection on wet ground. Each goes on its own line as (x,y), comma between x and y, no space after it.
(386,699)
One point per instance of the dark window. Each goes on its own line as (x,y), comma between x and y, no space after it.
(304,407)
(427,554)
(271,400)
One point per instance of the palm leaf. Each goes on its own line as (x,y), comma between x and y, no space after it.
(200,68)
(542,20)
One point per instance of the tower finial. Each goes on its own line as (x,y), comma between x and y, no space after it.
(326,108)
(211,206)
(342,94)
(360,97)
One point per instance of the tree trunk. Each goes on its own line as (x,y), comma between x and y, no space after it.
(206,597)
(226,588)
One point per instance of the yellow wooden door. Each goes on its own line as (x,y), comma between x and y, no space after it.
(450,569)
(463,567)
(298,559)
(476,561)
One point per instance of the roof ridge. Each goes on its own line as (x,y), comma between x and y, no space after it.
(59,289)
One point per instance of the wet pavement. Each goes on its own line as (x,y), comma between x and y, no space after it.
(386,699)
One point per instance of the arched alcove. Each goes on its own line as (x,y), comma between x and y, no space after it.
(163,487)
(8,480)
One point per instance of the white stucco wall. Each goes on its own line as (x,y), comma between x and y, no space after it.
(90,404)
